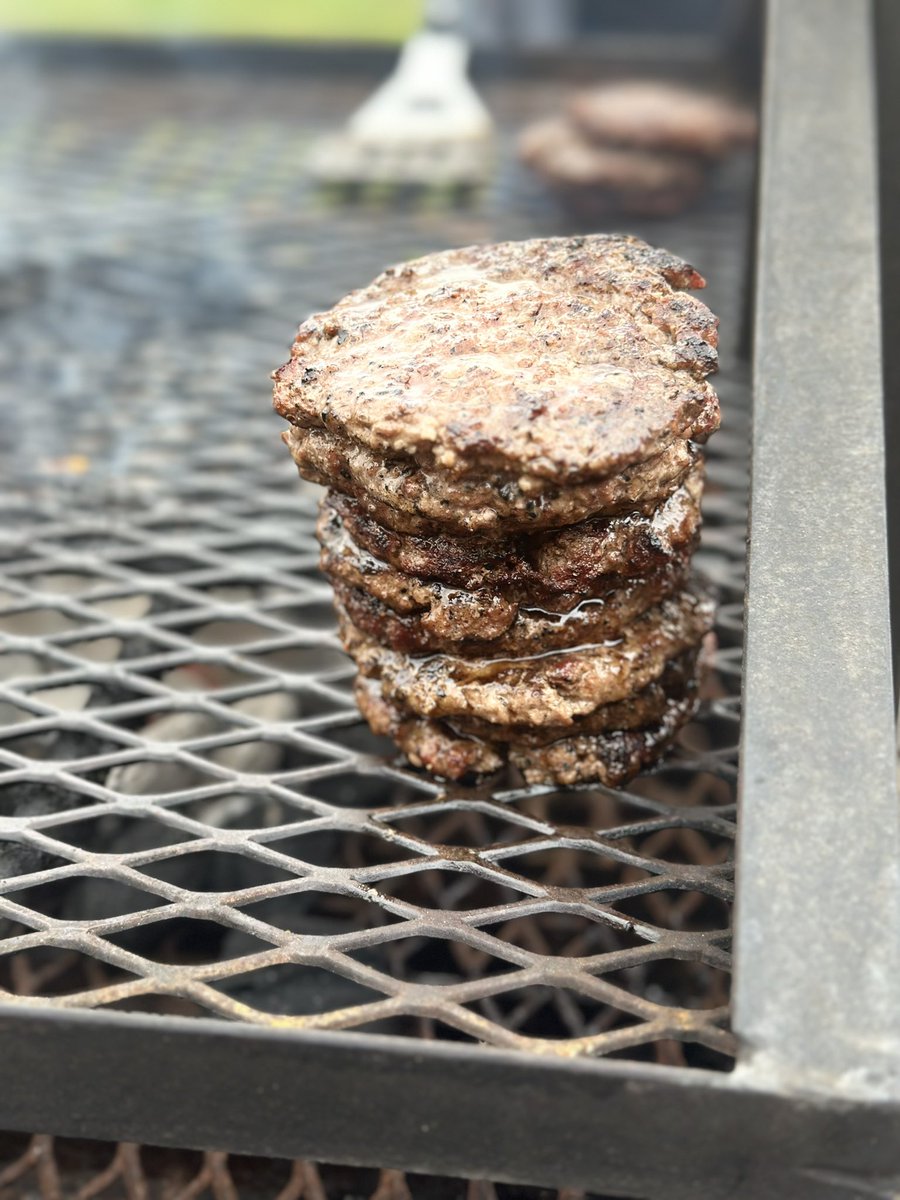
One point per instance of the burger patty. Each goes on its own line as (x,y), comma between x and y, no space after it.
(494,504)
(573,562)
(421,616)
(565,360)
(636,180)
(469,623)
(651,114)
(546,689)
(611,758)
(646,707)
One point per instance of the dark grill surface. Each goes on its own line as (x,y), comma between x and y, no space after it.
(193,819)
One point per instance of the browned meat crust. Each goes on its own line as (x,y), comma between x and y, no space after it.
(462,630)
(453,617)
(560,359)
(654,115)
(646,707)
(547,689)
(609,758)
(428,744)
(420,616)
(557,568)
(612,757)
(392,492)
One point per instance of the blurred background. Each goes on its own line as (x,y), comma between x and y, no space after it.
(278,20)
(529,22)
(186,179)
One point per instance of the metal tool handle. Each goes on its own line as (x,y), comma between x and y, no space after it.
(443,16)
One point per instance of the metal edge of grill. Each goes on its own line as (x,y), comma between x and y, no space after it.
(812,1108)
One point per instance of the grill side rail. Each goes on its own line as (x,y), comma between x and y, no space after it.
(817,984)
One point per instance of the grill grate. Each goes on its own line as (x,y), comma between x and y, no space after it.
(53,1167)
(193,819)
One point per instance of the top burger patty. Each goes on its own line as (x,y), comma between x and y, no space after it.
(651,114)
(559,359)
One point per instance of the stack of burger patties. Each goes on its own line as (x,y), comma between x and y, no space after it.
(638,146)
(510,438)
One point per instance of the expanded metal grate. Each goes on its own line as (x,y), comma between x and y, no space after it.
(51,1168)
(193,818)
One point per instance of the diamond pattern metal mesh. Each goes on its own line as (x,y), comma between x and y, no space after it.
(193,818)
(51,1168)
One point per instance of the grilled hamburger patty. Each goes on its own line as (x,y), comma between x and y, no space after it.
(573,562)
(460,629)
(644,708)
(611,757)
(546,689)
(419,615)
(561,359)
(654,115)
(637,180)
(411,500)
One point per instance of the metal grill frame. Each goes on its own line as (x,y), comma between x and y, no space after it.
(813,1108)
